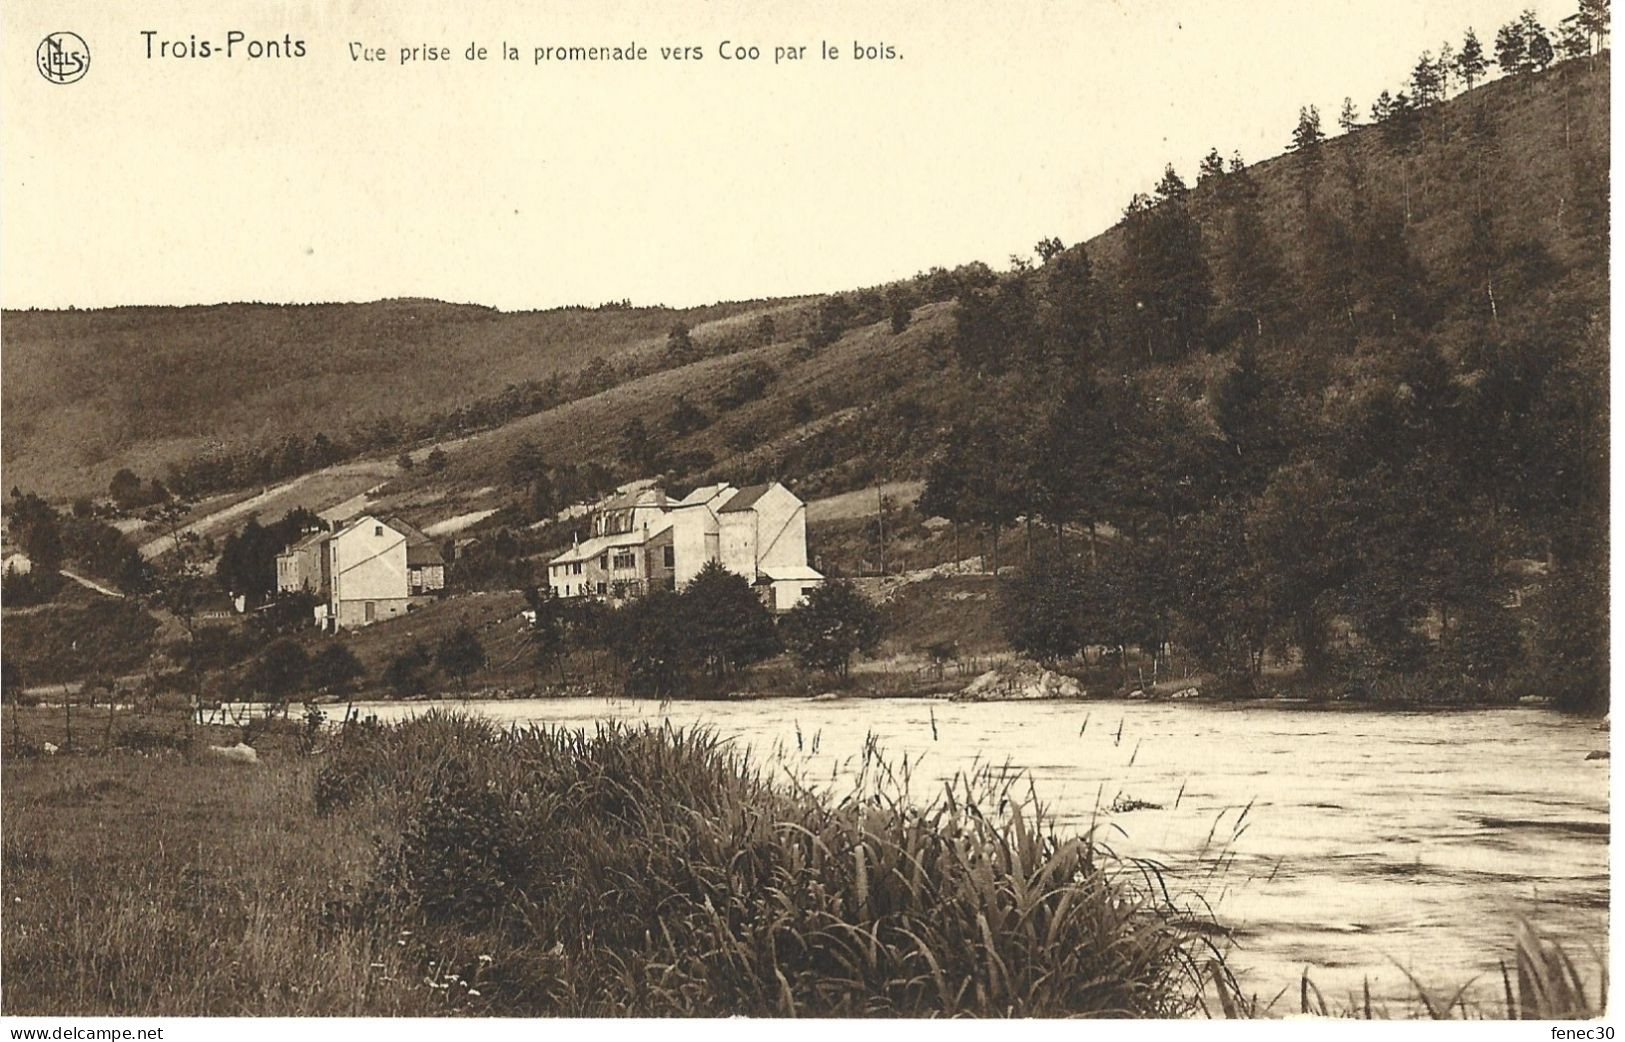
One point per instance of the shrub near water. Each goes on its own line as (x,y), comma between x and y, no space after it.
(658,872)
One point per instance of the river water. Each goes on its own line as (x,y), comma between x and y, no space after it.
(1348,843)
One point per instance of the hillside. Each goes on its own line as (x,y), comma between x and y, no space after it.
(1342,412)
(87,392)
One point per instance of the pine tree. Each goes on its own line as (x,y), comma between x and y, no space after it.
(1165,280)
(1211,168)
(1573,41)
(1257,286)
(1172,187)
(1349,118)
(1537,45)
(1425,81)
(1445,65)
(1069,322)
(1382,108)
(1470,63)
(1593,17)
(1307,134)
(1511,54)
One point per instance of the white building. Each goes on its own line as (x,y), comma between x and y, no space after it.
(358,572)
(641,542)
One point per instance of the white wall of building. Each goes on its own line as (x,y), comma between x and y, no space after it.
(368,561)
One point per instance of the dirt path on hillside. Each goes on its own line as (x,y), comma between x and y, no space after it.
(89,584)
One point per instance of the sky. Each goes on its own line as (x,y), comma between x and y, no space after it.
(177,181)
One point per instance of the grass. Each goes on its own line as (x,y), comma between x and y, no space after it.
(443,865)
(264,371)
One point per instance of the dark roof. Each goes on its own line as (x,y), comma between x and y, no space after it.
(310,540)
(420,549)
(423,553)
(745,498)
(412,533)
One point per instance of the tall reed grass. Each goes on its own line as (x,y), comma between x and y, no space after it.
(662,872)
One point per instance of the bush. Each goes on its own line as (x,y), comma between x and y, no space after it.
(405,675)
(655,870)
(745,385)
(105,636)
(834,623)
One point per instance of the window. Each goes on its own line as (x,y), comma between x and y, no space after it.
(603,560)
(600,588)
(378,530)
(671,557)
(626,559)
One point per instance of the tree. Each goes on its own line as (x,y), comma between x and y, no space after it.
(1425,86)
(1470,61)
(460,654)
(1164,278)
(729,627)
(1251,270)
(638,449)
(835,313)
(1349,117)
(1210,169)
(834,623)
(125,488)
(900,301)
(1307,135)
(1248,408)
(404,461)
(1382,108)
(745,384)
(1511,52)
(652,638)
(686,417)
(680,349)
(1445,64)
(1070,307)
(1593,16)
(247,562)
(279,670)
(334,668)
(547,628)
(1537,44)
(1039,612)
(405,673)
(1573,41)
(435,461)
(1049,248)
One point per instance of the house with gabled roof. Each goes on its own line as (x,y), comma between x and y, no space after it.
(364,571)
(425,561)
(643,542)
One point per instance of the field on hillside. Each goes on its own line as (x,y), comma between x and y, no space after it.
(757,440)
(85,392)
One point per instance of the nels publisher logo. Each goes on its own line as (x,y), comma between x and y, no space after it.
(63,57)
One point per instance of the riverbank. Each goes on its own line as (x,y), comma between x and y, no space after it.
(447,866)
(222,887)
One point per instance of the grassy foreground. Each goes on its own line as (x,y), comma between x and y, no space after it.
(444,866)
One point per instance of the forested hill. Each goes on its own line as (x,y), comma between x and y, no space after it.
(1348,406)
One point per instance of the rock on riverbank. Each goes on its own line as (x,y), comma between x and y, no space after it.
(1022,683)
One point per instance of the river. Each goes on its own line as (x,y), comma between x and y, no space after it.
(1347,843)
